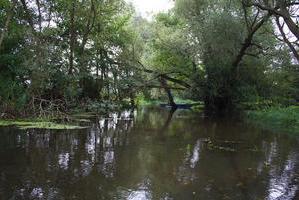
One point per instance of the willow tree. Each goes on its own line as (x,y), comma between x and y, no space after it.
(285,14)
(233,43)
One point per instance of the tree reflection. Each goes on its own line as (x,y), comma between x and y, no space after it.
(185,173)
(168,120)
(158,154)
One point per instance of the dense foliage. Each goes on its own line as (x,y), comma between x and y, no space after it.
(241,56)
(57,55)
(276,119)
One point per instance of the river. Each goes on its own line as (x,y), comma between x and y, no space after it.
(150,153)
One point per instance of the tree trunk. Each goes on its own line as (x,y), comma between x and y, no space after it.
(289,21)
(168,92)
(72,38)
(222,102)
(285,39)
(248,41)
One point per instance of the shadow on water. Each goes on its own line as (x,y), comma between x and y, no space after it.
(150,153)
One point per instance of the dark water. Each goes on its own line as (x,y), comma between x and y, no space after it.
(150,154)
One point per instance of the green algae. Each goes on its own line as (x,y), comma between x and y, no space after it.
(39,125)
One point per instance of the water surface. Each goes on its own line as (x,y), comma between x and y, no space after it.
(150,154)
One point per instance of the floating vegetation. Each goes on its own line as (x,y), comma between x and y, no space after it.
(39,125)
(232,142)
(212,146)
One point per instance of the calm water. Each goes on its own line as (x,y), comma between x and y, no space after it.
(150,154)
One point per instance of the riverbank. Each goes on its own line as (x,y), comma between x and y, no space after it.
(276,119)
(75,118)
(68,122)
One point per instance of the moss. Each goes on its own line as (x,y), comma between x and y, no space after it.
(276,119)
(38,125)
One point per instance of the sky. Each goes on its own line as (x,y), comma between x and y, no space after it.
(147,8)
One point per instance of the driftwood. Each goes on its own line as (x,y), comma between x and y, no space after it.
(47,108)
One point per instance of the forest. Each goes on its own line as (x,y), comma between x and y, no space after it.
(62,55)
(198,100)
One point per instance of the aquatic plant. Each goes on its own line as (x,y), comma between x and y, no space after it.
(38,125)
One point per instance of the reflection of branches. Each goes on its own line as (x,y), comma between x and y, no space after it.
(168,120)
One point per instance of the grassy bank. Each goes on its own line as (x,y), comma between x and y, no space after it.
(71,119)
(276,119)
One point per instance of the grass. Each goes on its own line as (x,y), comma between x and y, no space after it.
(38,125)
(276,119)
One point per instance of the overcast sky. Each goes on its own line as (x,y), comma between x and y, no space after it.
(147,8)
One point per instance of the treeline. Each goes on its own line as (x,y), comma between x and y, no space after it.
(233,54)
(61,54)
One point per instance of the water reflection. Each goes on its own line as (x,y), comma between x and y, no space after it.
(142,192)
(195,157)
(186,173)
(281,184)
(63,160)
(149,154)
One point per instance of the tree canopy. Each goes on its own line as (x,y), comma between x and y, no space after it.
(56,55)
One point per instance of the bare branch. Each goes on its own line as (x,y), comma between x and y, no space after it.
(285,39)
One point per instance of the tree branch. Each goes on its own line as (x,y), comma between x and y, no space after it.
(285,39)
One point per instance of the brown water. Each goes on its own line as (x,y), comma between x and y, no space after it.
(150,154)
